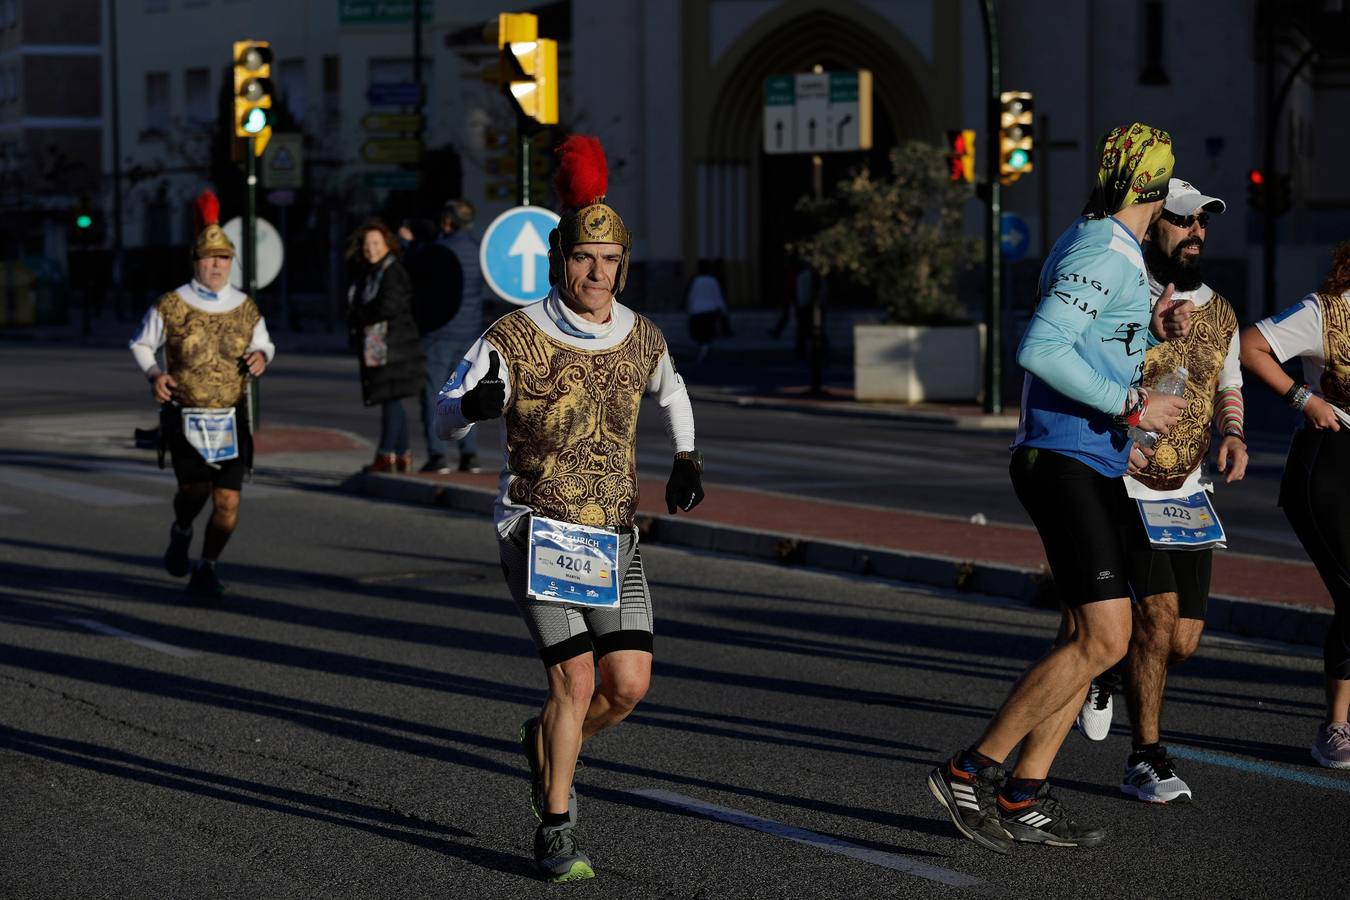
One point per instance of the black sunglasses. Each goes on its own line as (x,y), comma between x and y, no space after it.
(1187,221)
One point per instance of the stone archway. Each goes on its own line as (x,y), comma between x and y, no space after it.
(738,203)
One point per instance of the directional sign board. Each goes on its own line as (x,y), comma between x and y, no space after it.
(284,162)
(271,252)
(780,114)
(396,122)
(818,112)
(392,150)
(405,93)
(514,253)
(1014,236)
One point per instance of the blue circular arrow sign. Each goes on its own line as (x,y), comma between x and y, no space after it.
(514,253)
(1015,236)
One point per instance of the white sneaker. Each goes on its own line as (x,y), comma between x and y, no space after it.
(1153,780)
(1094,719)
(1332,747)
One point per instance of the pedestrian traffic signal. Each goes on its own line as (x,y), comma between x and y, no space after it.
(1256,190)
(529,66)
(253,92)
(84,219)
(1016,136)
(961,156)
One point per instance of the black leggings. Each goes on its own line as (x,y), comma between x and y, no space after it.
(1315,495)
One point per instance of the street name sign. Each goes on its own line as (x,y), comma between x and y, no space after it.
(818,112)
(392,122)
(514,254)
(392,150)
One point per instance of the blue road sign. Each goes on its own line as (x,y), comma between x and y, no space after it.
(406,93)
(514,253)
(1015,236)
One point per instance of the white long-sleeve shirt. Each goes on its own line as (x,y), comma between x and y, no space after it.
(560,324)
(150,336)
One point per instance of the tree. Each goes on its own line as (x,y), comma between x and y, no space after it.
(898,235)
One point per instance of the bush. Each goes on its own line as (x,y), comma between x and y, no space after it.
(899,235)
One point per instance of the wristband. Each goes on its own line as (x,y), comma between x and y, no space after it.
(694,456)
(1237,434)
(1301,397)
(1135,404)
(1291,395)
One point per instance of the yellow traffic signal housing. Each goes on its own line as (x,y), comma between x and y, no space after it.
(961,155)
(1016,137)
(529,66)
(253,92)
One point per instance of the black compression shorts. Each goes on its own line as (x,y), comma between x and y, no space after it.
(1087,523)
(1181,572)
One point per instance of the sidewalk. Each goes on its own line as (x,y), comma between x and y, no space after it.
(1251,595)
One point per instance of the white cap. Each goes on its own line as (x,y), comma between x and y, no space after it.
(1183,199)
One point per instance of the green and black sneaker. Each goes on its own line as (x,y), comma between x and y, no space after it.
(559,856)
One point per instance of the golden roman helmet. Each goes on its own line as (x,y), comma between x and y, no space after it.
(211,238)
(582,180)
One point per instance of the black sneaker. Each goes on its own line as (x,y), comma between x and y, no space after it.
(205,582)
(559,856)
(537,798)
(176,561)
(468,462)
(1044,820)
(971,802)
(437,464)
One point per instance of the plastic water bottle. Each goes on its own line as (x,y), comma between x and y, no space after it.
(1173,383)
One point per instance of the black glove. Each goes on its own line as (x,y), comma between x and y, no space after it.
(685,487)
(488,397)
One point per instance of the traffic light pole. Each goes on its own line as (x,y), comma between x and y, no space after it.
(523,160)
(250,258)
(993,365)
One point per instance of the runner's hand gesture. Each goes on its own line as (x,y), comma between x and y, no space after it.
(1171,318)
(488,397)
(161,386)
(684,490)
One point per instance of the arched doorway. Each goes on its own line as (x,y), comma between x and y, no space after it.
(740,208)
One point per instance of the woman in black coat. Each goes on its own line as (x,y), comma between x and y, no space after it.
(379,312)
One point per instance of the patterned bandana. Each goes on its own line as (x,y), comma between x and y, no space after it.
(1136,162)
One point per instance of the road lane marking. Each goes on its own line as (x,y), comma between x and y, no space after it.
(1311,779)
(89,494)
(892,861)
(148,643)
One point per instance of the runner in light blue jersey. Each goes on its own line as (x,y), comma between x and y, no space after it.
(1084,348)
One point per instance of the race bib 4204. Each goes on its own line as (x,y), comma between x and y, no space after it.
(573,564)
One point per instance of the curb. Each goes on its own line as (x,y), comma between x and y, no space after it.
(854,410)
(1235,615)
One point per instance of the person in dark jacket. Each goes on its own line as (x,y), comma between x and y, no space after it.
(379,312)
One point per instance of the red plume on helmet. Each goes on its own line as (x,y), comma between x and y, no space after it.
(205,210)
(583,175)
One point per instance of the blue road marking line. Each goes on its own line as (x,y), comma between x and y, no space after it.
(1260,768)
(893,861)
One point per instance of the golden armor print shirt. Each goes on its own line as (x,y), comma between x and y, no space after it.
(573,389)
(1317,331)
(1210,356)
(204,336)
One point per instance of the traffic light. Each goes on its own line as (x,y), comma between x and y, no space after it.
(253,92)
(961,156)
(529,66)
(84,219)
(1016,137)
(1256,190)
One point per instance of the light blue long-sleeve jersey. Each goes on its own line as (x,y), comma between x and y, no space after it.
(1084,347)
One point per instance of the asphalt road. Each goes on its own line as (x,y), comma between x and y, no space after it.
(870,461)
(342,725)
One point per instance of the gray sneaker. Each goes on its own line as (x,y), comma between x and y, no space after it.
(1332,747)
(527,746)
(559,856)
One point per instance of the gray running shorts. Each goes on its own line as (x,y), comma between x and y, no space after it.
(562,632)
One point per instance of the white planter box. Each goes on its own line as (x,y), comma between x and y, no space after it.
(918,363)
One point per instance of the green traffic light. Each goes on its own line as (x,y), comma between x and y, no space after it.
(255,120)
(83,221)
(1019,159)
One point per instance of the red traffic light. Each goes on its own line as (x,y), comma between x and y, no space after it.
(1255,177)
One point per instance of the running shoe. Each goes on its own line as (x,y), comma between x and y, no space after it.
(527,746)
(205,582)
(559,856)
(436,464)
(1153,779)
(1042,819)
(176,561)
(1094,718)
(1332,747)
(971,802)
